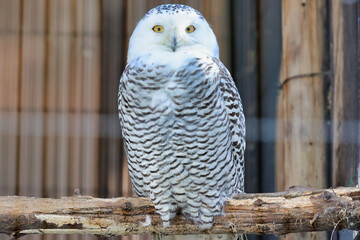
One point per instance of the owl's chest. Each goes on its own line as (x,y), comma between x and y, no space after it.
(172,95)
(165,91)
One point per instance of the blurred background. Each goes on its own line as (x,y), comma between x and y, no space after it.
(295,63)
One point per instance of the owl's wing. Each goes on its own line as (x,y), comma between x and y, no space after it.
(125,112)
(235,113)
(121,101)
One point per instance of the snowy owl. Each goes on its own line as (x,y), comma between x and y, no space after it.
(181,117)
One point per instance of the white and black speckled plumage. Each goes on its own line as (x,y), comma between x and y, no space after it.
(182,121)
(172,9)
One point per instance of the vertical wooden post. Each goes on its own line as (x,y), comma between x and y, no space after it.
(301,131)
(345,91)
(245,74)
(113,56)
(57,98)
(269,54)
(10,11)
(32,98)
(31,104)
(85,96)
(345,95)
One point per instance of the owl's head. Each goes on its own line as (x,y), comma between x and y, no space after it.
(172,29)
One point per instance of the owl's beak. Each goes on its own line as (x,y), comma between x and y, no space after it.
(173,40)
(174,43)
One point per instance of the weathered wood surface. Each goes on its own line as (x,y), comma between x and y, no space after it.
(246,76)
(301,132)
(297,210)
(345,114)
(345,92)
(31,105)
(10,62)
(301,146)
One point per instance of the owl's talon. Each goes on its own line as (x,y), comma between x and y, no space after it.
(166,224)
(147,221)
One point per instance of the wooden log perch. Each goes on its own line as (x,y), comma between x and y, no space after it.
(296,210)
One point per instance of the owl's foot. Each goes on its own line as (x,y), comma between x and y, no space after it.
(166,224)
(147,221)
(165,217)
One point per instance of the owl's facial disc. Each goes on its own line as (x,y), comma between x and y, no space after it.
(172,29)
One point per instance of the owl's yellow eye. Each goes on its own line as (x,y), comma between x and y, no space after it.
(190,29)
(158,28)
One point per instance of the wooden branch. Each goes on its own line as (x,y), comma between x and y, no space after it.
(296,210)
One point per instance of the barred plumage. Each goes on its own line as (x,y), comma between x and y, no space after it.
(181,119)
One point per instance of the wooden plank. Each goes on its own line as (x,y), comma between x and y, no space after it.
(32,99)
(301,136)
(9,93)
(245,73)
(91,97)
(246,78)
(31,145)
(269,30)
(112,64)
(84,123)
(63,105)
(79,118)
(85,97)
(58,98)
(76,96)
(346,93)
(301,131)
(52,64)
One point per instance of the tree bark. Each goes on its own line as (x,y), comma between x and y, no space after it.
(296,210)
